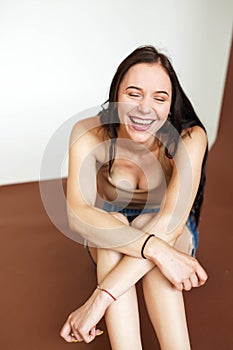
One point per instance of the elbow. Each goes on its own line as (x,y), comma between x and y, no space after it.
(175,235)
(72,218)
(178,232)
(70,223)
(76,218)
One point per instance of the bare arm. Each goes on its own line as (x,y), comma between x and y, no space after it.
(182,187)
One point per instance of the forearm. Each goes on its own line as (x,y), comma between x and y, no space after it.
(130,269)
(103,230)
(126,274)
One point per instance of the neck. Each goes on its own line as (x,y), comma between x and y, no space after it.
(137,148)
(150,145)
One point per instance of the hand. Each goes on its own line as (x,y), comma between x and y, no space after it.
(81,324)
(182,270)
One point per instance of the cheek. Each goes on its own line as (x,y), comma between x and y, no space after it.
(124,108)
(121,110)
(163,111)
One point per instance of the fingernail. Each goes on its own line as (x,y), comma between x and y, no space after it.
(101,332)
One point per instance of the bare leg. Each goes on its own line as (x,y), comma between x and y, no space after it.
(166,310)
(164,303)
(122,317)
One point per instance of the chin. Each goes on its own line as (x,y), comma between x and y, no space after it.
(141,137)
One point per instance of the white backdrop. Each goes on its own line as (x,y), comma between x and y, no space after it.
(57,58)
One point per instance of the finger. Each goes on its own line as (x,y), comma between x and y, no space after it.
(201,274)
(65,333)
(178,286)
(88,338)
(93,331)
(98,332)
(194,280)
(187,284)
(85,335)
(76,336)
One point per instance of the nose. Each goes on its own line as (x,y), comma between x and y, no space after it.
(144,107)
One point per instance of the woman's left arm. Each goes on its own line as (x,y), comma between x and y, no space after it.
(182,188)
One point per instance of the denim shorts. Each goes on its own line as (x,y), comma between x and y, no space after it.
(131,214)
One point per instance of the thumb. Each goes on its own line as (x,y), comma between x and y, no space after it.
(98,332)
(93,332)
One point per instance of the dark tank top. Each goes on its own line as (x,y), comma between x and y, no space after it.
(124,196)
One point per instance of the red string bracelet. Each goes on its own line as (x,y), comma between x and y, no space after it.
(106,291)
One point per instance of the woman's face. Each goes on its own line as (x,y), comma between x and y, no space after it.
(144,100)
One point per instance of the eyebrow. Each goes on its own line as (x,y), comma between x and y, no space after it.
(138,88)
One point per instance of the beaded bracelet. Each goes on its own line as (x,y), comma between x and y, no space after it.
(106,291)
(144,244)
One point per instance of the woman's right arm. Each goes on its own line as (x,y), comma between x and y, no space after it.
(99,227)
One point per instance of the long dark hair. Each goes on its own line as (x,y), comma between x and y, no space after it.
(182,115)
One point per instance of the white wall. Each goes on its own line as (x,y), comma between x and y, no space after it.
(58,57)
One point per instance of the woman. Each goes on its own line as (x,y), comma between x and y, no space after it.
(134,193)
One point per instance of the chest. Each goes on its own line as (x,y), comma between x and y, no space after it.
(137,173)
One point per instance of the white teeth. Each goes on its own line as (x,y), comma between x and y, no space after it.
(141,121)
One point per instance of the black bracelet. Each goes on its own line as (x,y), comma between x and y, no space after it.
(144,244)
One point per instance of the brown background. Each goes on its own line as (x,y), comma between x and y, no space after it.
(44,275)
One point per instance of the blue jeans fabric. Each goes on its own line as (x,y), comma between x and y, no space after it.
(131,214)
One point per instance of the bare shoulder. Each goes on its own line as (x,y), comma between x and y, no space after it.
(87,137)
(194,136)
(192,144)
(85,128)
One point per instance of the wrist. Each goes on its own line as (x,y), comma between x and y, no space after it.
(153,249)
(102,298)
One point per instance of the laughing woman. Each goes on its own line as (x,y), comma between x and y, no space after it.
(134,193)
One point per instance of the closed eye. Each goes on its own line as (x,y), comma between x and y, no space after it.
(159,99)
(134,95)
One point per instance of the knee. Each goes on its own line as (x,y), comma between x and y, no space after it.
(106,260)
(120,217)
(109,256)
(141,220)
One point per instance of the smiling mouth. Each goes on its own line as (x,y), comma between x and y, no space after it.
(139,121)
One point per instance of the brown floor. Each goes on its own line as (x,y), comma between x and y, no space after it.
(44,275)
